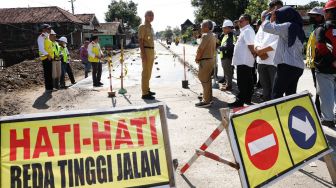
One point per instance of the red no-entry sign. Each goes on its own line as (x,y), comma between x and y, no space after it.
(261,144)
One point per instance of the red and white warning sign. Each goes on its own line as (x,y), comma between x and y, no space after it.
(261,144)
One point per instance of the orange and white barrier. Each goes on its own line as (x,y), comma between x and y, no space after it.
(204,146)
(217,158)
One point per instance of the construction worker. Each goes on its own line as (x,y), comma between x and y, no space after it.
(65,59)
(325,64)
(316,18)
(46,55)
(95,56)
(226,53)
(56,63)
(205,57)
(146,42)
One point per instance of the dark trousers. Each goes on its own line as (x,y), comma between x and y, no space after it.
(66,68)
(286,80)
(47,73)
(317,98)
(245,83)
(266,77)
(96,72)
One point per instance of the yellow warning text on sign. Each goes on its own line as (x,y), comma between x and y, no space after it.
(115,150)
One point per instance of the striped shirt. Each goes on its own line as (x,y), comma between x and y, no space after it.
(285,55)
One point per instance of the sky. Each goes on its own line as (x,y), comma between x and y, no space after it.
(166,12)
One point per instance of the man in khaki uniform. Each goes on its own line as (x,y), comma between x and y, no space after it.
(205,58)
(146,41)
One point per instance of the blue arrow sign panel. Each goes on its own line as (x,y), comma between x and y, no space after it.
(302,127)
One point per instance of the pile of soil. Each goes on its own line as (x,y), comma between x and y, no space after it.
(29,74)
(26,76)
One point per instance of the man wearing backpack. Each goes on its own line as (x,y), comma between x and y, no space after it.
(316,18)
(325,64)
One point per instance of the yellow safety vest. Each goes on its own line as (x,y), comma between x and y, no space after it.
(225,38)
(96,51)
(65,55)
(57,50)
(48,46)
(310,53)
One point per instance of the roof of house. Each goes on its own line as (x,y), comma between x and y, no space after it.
(88,18)
(111,28)
(187,22)
(36,15)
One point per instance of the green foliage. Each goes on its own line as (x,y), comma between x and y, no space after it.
(168,33)
(187,35)
(218,10)
(256,7)
(311,5)
(177,31)
(125,10)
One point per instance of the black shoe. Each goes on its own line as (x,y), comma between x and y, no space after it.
(249,103)
(148,97)
(63,87)
(151,93)
(236,104)
(330,124)
(222,81)
(73,83)
(99,83)
(203,104)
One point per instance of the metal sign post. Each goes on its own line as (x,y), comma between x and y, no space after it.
(185,83)
(122,90)
(110,93)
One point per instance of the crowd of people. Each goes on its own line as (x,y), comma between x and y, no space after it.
(273,49)
(55,58)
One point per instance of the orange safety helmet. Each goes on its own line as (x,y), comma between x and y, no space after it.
(330,5)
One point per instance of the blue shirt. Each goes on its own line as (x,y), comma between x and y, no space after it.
(285,55)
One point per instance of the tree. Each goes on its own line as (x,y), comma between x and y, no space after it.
(177,31)
(218,10)
(168,33)
(125,10)
(311,5)
(256,7)
(187,35)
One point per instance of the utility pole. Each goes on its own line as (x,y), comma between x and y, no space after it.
(72,6)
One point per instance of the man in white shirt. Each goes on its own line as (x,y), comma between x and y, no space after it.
(243,58)
(265,45)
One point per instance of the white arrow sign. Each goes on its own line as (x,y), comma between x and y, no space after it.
(303,126)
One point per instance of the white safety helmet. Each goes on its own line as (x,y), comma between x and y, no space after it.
(227,23)
(213,25)
(63,39)
(52,32)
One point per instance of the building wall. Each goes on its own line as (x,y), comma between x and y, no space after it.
(19,41)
